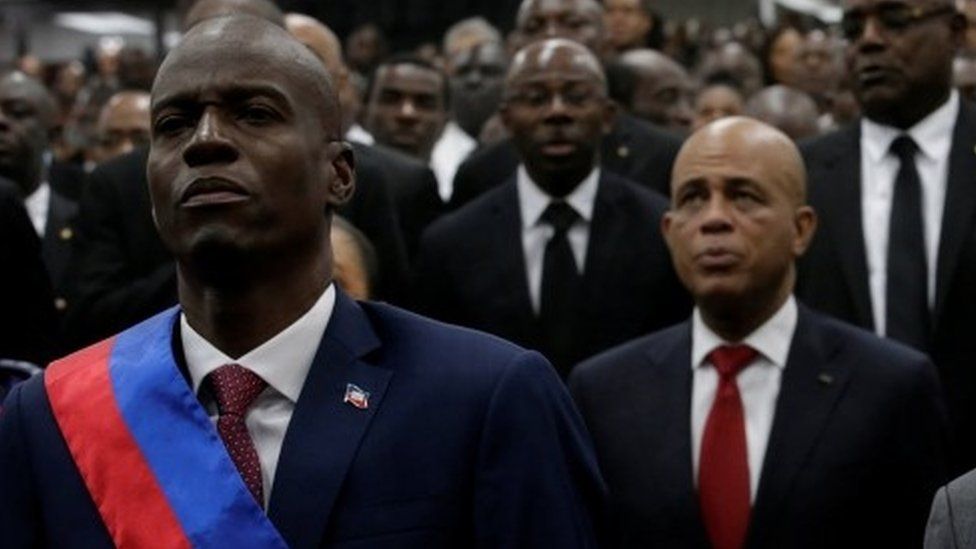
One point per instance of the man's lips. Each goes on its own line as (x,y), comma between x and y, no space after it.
(873,74)
(212,191)
(558,148)
(717,259)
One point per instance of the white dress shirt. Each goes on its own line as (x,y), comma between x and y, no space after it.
(37,204)
(758,383)
(451,148)
(282,361)
(879,168)
(359,134)
(533,201)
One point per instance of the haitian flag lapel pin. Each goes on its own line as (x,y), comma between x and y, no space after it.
(356,396)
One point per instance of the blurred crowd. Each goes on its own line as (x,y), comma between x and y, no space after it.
(469,148)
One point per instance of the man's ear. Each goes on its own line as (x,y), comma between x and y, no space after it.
(806,226)
(342,186)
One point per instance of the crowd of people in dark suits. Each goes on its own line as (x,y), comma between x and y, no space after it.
(745,259)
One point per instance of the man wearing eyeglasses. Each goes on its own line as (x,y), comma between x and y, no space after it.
(896,193)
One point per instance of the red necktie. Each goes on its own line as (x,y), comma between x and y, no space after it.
(723,470)
(235,388)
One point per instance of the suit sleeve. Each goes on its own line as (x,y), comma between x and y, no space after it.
(922,447)
(18,502)
(939,534)
(537,481)
(108,294)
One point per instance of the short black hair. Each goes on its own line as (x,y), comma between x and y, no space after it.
(409,59)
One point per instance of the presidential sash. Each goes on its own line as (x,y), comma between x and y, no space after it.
(146,449)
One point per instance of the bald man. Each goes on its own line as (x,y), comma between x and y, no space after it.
(411,184)
(563,256)
(787,109)
(123,125)
(758,423)
(633,148)
(201,10)
(662,91)
(269,409)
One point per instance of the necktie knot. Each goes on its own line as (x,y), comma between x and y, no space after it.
(235,388)
(560,216)
(729,360)
(904,147)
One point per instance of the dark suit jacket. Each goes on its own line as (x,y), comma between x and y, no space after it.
(856,450)
(67,179)
(467,441)
(59,234)
(28,324)
(123,273)
(833,275)
(634,150)
(414,189)
(471,270)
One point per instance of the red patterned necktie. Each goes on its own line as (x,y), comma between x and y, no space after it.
(723,470)
(235,388)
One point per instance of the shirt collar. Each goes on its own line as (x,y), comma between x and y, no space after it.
(36,205)
(932,134)
(533,200)
(772,340)
(282,362)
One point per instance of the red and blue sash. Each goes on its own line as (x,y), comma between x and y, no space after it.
(146,449)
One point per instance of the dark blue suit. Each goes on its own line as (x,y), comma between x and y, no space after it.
(856,450)
(467,441)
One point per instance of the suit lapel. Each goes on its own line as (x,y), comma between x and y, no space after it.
(507,245)
(664,401)
(960,204)
(324,433)
(809,391)
(841,186)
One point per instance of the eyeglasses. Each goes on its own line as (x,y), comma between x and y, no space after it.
(893,16)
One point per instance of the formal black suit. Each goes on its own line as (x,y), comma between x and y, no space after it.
(471,270)
(833,276)
(855,453)
(28,322)
(56,244)
(67,179)
(123,273)
(414,189)
(634,149)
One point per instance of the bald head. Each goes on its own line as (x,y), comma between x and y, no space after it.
(246,41)
(28,113)
(556,54)
(123,124)
(319,38)
(662,91)
(744,142)
(738,222)
(792,111)
(208,9)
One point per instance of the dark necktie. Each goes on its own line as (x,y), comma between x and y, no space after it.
(235,388)
(906,295)
(561,286)
(723,469)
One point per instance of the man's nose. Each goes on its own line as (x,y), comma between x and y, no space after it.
(407,109)
(716,215)
(209,142)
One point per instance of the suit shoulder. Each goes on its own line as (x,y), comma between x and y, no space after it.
(962,490)
(416,336)
(613,363)
(882,356)
(815,148)
(469,217)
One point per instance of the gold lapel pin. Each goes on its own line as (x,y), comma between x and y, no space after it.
(66,233)
(825,379)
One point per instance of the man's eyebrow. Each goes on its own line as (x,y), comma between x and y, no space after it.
(234,94)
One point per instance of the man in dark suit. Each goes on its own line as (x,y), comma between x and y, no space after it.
(28,323)
(632,148)
(896,193)
(269,409)
(26,121)
(758,423)
(412,184)
(564,257)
